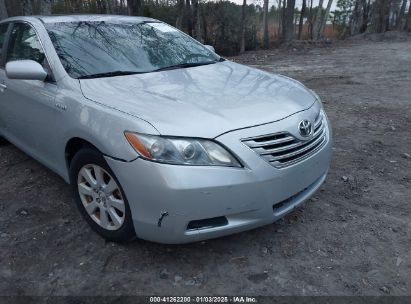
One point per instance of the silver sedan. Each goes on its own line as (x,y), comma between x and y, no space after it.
(159,137)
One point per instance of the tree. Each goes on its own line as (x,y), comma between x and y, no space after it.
(401,14)
(301,24)
(197,21)
(265,25)
(45,7)
(317,21)
(13,8)
(324,19)
(365,14)
(3,10)
(180,14)
(110,6)
(408,21)
(189,17)
(356,18)
(135,7)
(280,17)
(76,6)
(381,15)
(288,22)
(204,32)
(27,6)
(310,19)
(102,6)
(242,42)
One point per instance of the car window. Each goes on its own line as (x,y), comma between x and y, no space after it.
(24,44)
(3,32)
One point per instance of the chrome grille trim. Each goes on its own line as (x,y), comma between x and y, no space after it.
(283,149)
(272,142)
(306,148)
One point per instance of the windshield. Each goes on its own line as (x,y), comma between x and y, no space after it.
(98,48)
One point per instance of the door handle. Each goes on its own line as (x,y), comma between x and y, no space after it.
(3,87)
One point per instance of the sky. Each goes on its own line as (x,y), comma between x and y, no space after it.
(298,3)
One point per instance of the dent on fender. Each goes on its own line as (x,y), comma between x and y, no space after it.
(162,216)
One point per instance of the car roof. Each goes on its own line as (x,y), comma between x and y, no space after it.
(81,18)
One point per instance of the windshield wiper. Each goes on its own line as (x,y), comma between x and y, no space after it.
(185,65)
(109,74)
(172,67)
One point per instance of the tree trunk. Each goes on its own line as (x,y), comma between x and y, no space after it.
(205,29)
(109,6)
(401,14)
(265,24)
(242,43)
(11,8)
(408,21)
(199,35)
(317,21)
(301,24)
(324,19)
(14,8)
(356,18)
(280,18)
(381,13)
(102,6)
(288,22)
(189,18)
(365,15)
(311,20)
(135,7)
(27,7)
(45,7)
(3,10)
(180,14)
(75,6)
(295,21)
(197,21)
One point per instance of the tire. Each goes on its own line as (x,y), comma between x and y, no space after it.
(108,212)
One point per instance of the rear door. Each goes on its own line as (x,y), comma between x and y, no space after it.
(29,104)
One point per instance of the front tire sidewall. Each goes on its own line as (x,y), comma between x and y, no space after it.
(86,157)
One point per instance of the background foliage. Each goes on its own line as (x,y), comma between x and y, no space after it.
(233,28)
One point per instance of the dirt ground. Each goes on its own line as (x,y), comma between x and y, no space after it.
(352,238)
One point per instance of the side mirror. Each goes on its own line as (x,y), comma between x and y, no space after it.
(211,48)
(25,70)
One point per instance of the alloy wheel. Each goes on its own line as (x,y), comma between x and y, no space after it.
(101,197)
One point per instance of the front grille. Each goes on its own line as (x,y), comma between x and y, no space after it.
(283,149)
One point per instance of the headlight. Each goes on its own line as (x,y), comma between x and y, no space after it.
(181,151)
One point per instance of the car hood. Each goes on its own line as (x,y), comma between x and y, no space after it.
(203,101)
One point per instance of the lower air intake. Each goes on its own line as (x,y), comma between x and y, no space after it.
(208,223)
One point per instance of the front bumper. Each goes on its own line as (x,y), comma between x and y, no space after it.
(164,199)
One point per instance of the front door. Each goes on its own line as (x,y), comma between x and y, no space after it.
(29,104)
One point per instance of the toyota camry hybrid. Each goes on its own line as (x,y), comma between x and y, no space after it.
(159,137)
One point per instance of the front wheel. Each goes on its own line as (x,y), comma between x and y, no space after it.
(99,196)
